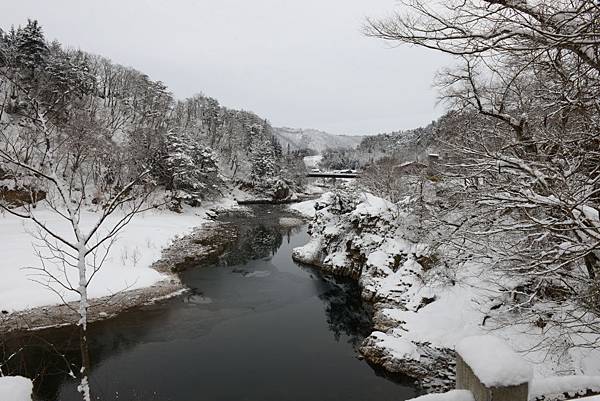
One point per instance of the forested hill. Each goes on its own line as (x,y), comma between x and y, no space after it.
(116,121)
(408,145)
(318,141)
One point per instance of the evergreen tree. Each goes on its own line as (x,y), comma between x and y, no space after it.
(263,161)
(31,47)
(192,166)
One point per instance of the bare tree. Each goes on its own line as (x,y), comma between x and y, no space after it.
(523,136)
(35,151)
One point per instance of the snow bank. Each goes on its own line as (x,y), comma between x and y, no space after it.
(126,268)
(564,384)
(453,316)
(494,362)
(15,388)
(312,161)
(398,346)
(418,299)
(454,395)
(306,208)
(309,253)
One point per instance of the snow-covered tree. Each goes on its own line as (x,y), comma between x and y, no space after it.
(521,177)
(56,151)
(30,46)
(192,167)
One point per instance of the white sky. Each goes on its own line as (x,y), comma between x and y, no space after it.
(301,63)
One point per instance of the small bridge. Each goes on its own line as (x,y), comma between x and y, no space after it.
(332,175)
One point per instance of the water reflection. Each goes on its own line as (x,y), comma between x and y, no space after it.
(261,239)
(255,242)
(346,314)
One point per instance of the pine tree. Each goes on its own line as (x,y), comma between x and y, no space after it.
(192,166)
(264,166)
(31,47)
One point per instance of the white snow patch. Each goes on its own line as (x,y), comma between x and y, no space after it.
(15,388)
(445,322)
(494,362)
(378,258)
(454,395)
(372,205)
(312,161)
(563,384)
(397,346)
(306,208)
(127,266)
(308,253)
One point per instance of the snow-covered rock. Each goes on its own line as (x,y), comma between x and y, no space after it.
(400,347)
(306,208)
(309,253)
(418,298)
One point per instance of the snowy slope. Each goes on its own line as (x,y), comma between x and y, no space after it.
(127,267)
(298,138)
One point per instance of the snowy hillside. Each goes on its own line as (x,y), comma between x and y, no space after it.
(298,138)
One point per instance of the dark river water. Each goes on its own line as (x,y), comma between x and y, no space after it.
(256,327)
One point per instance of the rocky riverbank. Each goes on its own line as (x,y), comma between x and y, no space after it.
(203,245)
(423,303)
(359,239)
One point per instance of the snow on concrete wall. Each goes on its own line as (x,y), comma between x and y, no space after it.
(15,388)
(494,363)
(564,384)
(454,395)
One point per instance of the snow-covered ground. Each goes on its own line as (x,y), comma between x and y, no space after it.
(15,388)
(127,266)
(306,208)
(312,162)
(416,300)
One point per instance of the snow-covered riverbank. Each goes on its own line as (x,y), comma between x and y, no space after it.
(129,275)
(423,307)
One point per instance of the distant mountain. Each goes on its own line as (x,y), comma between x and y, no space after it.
(298,138)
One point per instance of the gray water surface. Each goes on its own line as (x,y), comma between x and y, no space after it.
(257,326)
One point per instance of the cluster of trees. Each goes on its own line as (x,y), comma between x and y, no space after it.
(116,121)
(401,146)
(340,159)
(408,145)
(248,151)
(522,134)
(78,130)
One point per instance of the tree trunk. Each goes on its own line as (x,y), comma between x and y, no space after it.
(84,386)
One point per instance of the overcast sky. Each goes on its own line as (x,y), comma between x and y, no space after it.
(301,63)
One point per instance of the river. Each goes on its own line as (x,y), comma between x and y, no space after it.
(256,326)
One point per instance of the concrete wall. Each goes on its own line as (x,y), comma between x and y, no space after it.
(467,380)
